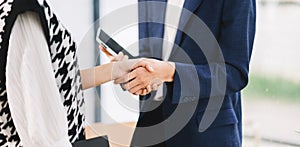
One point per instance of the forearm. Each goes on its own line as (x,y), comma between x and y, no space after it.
(96,76)
(204,81)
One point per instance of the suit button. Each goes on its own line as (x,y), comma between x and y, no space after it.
(183,100)
(189,99)
(186,99)
(193,98)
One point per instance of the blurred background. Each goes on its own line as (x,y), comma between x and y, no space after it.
(271,102)
(272,98)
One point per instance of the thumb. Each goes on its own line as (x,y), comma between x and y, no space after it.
(149,68)
(143,63)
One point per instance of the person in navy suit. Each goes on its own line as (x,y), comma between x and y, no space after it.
(232,24)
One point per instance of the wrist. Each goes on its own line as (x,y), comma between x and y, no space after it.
(114,73)
(170,71)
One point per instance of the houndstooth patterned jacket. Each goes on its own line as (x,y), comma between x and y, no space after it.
(62,50)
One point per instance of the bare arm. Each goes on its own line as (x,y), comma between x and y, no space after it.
(96,76)
(104,73)
(101,74)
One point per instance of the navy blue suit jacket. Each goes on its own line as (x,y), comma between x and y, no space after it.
(232,23)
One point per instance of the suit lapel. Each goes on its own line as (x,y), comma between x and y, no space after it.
(152,13)
(156,30)
(190,7)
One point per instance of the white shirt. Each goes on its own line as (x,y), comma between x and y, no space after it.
(172,18)
(33,96)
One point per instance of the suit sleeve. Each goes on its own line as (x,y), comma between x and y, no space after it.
(236,42)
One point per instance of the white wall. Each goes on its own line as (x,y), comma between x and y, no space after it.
(77,16)
(118,106)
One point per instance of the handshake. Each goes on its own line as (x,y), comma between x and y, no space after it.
(140,76)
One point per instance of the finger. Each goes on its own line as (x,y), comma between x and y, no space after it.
(155,84)
(149,68)
(144,92)
(125,78)
(117,57)
(108,54)
(149,88)
(142,63)
(120,56)
(154,87)
(140,92)
(137,81)
(125,58)
(133,88)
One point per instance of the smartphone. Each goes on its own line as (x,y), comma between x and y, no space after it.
(111,46)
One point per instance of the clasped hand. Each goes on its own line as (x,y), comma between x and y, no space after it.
(141,76)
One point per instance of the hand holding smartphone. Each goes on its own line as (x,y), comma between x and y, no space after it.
(109,46)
